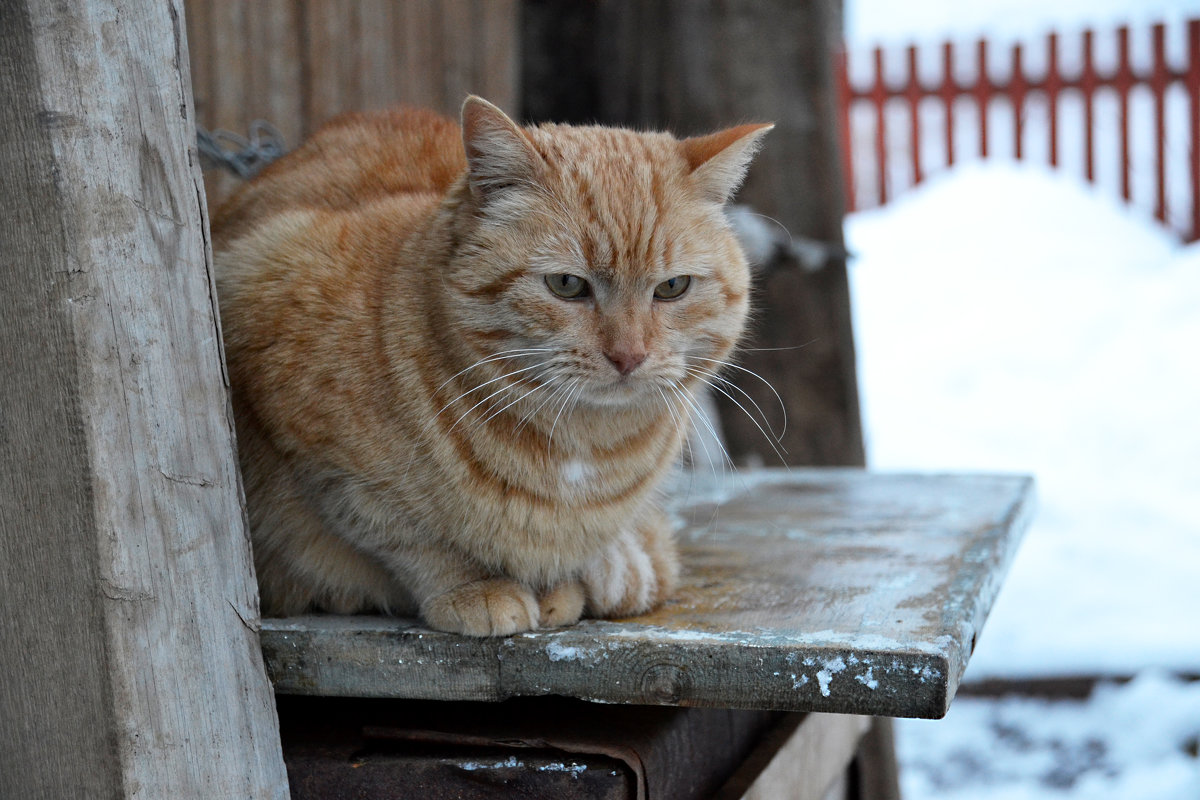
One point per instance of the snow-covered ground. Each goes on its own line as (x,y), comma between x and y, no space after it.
(1133,742)
(1009,318)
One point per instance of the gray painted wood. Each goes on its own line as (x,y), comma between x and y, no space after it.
(808,590)
(128,642)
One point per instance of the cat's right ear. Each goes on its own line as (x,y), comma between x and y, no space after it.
(499,155)
(719,161)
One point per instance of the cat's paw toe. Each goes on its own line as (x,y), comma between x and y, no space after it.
(562,605)
(495,607)
(621,581)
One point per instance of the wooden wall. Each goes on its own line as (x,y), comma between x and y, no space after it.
(297,63)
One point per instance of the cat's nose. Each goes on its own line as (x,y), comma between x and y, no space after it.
(626,360)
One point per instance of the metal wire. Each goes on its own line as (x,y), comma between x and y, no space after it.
(240,155)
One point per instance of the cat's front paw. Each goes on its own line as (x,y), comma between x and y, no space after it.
(492,607)
(562,605)
(632,575)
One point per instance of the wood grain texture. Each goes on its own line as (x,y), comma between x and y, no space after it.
(804,758)
(296,64)
(697,67)
(129,643)
(832,591)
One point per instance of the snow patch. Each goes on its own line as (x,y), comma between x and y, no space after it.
(472,766)
(574,769)
(557,651)
(825,676)
(868,679)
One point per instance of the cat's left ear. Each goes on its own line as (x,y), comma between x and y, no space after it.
(499,155)
(719,161)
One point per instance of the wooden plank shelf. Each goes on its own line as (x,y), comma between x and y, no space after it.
(806,590)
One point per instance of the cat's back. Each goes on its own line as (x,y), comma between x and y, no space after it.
(352,161)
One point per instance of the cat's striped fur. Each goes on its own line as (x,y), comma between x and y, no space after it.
(423,423)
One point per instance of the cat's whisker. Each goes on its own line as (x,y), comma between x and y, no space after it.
(501,390)
(680,412)
(708,376)
(575,385)
(697,413)
(480,386)
(503,354)
(778,448)
(673,413)
(561,385)
(725,462)
(712,463)
(779,349)
(513,402)
(782,227)
(751,372)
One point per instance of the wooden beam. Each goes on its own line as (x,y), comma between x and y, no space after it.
(801,759)
(129,642)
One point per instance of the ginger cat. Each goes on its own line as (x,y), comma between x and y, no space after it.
(463,360)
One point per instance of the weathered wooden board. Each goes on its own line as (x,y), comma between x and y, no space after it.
(128,642)
(811,590)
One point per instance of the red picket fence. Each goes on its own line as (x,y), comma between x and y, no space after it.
(1019,89)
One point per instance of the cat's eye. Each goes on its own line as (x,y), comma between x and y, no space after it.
(672,288)
(568,287)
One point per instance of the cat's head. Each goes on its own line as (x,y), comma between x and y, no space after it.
(603,252)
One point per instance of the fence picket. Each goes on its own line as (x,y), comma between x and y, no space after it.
(1124,83)
(1088,85)
(949,93)
(1020,89)
(983,96)
(1053,86)
(912,94)
(1192,83)
(880,97)
(1158,85)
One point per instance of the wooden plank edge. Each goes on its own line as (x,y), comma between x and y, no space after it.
(603,662)
(1002,549)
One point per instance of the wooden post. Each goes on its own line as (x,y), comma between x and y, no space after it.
(128,643)
(697,66)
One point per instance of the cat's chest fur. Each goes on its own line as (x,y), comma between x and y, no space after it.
(463,363)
